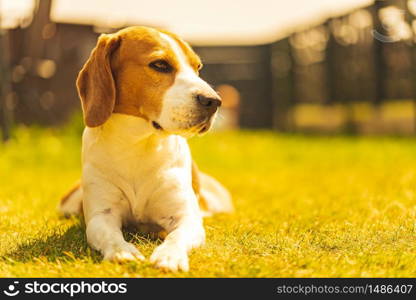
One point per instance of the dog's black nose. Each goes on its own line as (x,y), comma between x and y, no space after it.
(208,102)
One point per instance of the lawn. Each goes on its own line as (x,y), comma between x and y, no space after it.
(305,206)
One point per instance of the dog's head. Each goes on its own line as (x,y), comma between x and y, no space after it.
(149,74)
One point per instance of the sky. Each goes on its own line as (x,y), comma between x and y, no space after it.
(202,22)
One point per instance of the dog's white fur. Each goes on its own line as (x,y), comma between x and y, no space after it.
(135,174)
(141,178)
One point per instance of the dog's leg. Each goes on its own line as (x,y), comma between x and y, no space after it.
(182,220)
(172,254)
(104,234)
(213,196)
(71,203)
(104,219)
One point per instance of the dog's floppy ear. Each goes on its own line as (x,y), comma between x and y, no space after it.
(95,82)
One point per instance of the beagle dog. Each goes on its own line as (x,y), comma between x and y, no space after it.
(142,97)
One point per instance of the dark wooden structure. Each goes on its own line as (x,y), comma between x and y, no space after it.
(248,70)
(355,57)
(46,57)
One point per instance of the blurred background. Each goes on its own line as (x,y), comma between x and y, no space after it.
(345,66)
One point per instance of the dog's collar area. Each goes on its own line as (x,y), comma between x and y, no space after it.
(203,129)
(156,125)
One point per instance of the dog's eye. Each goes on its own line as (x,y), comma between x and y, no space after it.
(161,66)
(199,67)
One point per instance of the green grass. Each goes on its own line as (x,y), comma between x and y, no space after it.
(305,206)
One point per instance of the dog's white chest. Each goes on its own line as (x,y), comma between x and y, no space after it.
(137,164)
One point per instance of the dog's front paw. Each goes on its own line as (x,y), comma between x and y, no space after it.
(170,258)
(122,253)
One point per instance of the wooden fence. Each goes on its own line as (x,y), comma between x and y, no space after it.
(366,56)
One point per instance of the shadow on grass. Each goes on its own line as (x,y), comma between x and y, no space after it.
(70,245)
